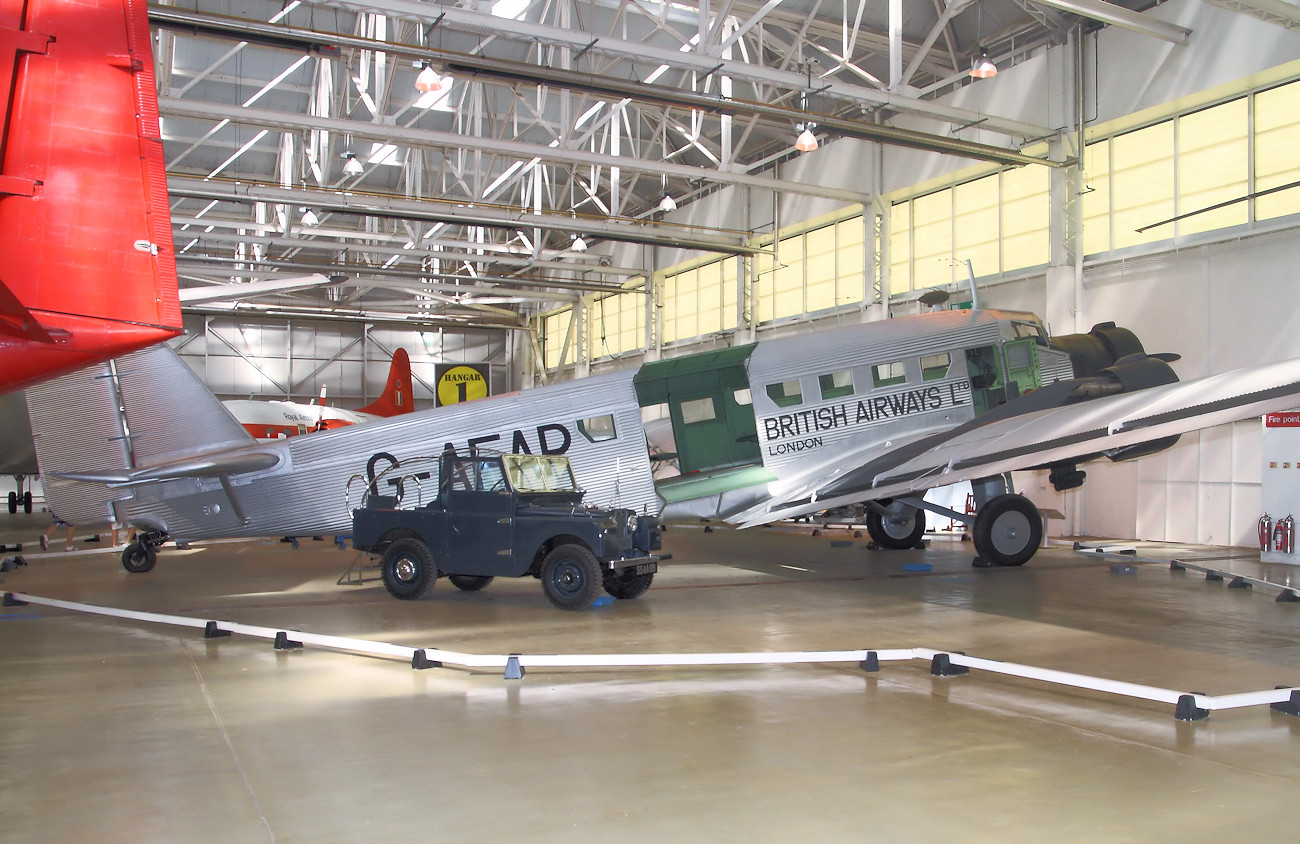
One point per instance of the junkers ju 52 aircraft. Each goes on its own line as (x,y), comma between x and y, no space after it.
(872,414)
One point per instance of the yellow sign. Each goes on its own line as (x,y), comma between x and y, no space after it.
(461,384)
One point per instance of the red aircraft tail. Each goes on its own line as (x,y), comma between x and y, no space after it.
(396,398)
(87,268)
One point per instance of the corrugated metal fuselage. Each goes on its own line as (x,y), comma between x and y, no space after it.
(819,402)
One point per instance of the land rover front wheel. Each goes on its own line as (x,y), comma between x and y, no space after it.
(571,577)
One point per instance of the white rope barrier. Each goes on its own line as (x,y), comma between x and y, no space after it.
(1190,706)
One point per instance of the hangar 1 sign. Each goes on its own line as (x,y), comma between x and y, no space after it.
(458,383)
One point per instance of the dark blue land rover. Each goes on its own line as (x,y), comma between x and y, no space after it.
(473,516)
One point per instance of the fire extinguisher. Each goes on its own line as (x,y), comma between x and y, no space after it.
(1264,529)
(1284,535)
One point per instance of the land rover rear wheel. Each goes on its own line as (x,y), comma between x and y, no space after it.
(408,569)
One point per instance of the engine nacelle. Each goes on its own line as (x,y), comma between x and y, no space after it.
(1103,346)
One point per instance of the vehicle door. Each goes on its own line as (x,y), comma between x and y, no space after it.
(480,516)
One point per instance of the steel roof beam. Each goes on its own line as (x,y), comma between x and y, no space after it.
(1109,13)
(464,214)
(439,140)
(454,18)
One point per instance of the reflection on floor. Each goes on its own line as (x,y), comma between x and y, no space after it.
(115,730)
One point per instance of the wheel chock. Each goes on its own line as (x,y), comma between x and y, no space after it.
(871,664)
(1174,565)
(941,666)
(1122,568)
(420,660)
(514,671)
(1287,596)
(1213,577)
(284,643)
(982,563)
(1288,707)
(1240,583)
(1187,710)
(11,601)
(212,631)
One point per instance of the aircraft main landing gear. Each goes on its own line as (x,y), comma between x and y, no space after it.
(899,528)
(1007,531)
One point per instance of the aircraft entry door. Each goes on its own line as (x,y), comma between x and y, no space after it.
(707,400)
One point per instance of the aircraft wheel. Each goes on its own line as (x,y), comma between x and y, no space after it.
(139,557)
(1007,530)
(13,502)
(571,577)
(408,570)
(897,532)
(469,582)
(27,502)
(628,586)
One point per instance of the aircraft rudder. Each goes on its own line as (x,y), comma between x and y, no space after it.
(396,398)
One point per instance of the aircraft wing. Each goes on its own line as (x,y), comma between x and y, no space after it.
(1066,433)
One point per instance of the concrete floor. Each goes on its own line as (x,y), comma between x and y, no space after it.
(123,731)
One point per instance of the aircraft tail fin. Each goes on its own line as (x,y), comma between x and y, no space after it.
(396,398)
(89,269)
(100,426)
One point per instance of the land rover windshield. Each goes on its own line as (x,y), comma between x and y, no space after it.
(539,473)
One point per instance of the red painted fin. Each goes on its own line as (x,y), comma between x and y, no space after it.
(396,398)
(85,232)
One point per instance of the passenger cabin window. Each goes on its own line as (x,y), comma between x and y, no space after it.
(598,429)
(934,367)
(785,394)
(836,385)
(698,410)
(888,374)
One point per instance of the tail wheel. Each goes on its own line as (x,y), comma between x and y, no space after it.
(408,570)
(897,531)
(571,577)
(1007,530)
(139,557)
(469,582)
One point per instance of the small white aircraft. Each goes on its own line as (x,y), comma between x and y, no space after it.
(268,420)
(872,414)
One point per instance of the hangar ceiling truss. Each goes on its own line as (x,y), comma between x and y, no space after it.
(298,145)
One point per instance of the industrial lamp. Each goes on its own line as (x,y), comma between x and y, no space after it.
(982,67)
(578,245)
(807,141)
(351,165)
(428,80)
(309,218)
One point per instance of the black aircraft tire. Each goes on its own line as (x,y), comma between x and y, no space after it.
(469,582)
(1007,530)
(408,570)
(13,502)
(571,577)
(27,502)
(139,557)
(898,536)
(628,586)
